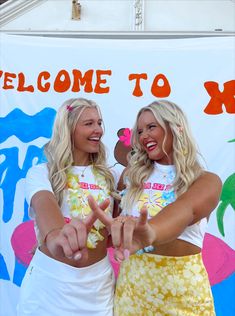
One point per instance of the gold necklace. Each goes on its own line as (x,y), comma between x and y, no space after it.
(83,171)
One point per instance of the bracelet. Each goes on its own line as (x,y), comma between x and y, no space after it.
(50,231)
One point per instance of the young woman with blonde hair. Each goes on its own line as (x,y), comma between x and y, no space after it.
(165,208)
(70,273)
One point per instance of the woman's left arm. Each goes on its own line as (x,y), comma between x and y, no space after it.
(196,203)
(133,234)
(203,195)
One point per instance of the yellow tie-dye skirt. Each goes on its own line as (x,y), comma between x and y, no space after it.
(156,285)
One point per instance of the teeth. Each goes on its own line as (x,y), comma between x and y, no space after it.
(150,144)
(94,138)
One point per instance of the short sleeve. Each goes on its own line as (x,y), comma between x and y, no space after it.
(36,180)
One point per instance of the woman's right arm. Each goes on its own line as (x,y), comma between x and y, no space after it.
(61,239)
(47,213)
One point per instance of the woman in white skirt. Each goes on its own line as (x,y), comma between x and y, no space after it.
(165,209)
(70,273)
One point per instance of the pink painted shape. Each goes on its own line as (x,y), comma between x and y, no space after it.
(126,137)
(219,259)
(114,263)
(23,241)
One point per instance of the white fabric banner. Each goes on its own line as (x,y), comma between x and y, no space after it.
(37,74)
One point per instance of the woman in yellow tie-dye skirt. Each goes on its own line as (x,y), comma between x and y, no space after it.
(167,200)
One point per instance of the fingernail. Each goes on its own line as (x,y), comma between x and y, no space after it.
(126,253)
(118,260)
(78,256)
(70,257)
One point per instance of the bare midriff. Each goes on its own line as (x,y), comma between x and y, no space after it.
(176,248)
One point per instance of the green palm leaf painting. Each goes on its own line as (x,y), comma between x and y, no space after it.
(227,198)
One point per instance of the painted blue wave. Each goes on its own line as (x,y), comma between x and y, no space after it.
(11,173)
(19,273)
(4,275)
(27,127)
(223,294)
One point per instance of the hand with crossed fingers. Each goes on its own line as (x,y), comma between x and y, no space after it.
(71,240)
(129,233)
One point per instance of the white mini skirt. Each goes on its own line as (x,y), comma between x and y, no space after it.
(52,288)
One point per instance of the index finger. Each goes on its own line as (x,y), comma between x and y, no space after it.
(98,212)
(142,220)
(90,220)
(92,217)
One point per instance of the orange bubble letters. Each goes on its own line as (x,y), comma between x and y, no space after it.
(137,92)
(63,81)
(43,75)
(84,80)
(8,78)
(162,90)
(219,98)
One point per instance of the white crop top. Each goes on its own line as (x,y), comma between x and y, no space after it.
(37,180)
(158,193)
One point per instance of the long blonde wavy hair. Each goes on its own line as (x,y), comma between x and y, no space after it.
(185,153)
(59,150)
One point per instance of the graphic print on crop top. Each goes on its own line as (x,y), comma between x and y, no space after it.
(158,191)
